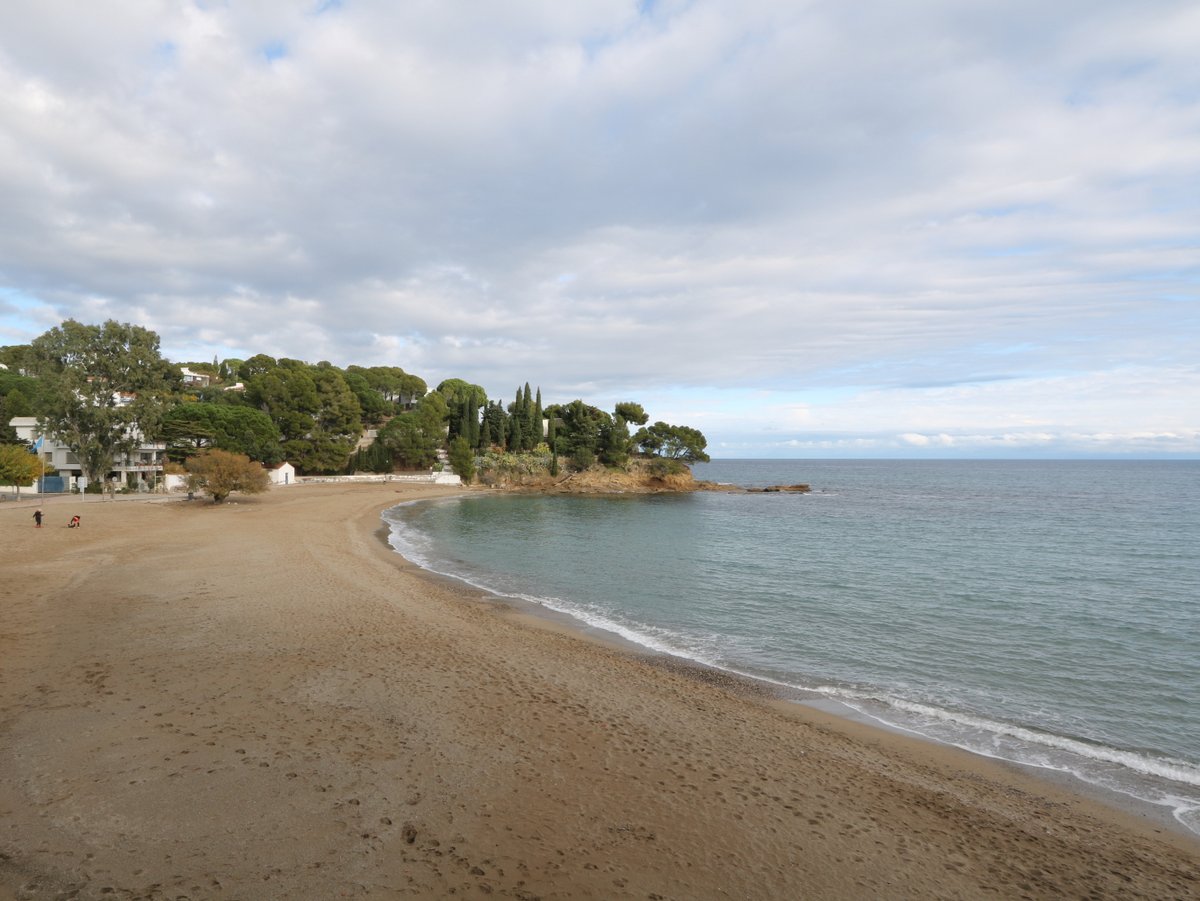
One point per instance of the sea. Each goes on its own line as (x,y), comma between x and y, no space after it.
(1045,613)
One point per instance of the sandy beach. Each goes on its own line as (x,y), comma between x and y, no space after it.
(261,700)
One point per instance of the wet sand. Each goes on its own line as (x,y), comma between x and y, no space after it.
(260,700)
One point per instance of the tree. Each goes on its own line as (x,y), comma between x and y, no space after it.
(463,401)
(530,434)
(414,437)
(104,390)
(16,357)
(675,442)
(399,389)
(17,404)
(462,459)
(632,413)
(220,473)
(13,404)
(228,370)
(613,447)
(516,433)
(374,405)
(375,457)
(412,389)
(237,429)
(578,432)
(18,466)
(256,365)
(494,430)
(537,418)
(318,416)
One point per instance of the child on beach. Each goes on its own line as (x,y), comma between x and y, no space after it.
(37,519)
(74,523)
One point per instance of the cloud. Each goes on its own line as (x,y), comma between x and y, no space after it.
(665,200)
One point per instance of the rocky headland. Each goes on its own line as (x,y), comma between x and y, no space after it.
(639,477)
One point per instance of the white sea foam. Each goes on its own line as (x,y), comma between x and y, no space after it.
(1161,781)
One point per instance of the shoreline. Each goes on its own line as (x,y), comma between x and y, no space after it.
(1161,815)
(264,699)
(788,698)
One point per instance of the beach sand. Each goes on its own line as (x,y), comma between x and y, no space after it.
(260,700)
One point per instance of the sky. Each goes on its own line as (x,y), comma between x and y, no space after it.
(810,229)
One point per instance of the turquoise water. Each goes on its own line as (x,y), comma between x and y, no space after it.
(1042,612)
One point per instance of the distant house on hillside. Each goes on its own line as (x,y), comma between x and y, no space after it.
(195,379)
(282,474)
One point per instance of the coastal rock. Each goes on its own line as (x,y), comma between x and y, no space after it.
(640,477)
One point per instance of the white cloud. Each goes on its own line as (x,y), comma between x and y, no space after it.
(925,207)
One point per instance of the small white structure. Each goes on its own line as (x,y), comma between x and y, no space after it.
(173,481)
(282,474)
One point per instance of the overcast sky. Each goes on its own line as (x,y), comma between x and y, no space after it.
(826,228)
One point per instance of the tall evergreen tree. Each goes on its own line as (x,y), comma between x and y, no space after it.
(473,404)
(537,418)
(515,437)
(496,425)
(528,434)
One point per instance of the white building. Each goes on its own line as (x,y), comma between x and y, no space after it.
(140,471)
(282,474)
(195,379)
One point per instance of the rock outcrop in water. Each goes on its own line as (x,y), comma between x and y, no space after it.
(639,477)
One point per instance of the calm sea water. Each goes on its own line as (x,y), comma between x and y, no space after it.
(1042,612)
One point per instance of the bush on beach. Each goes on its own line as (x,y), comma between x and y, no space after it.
(219,473)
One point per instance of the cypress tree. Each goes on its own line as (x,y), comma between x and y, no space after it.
(527,431)
(537,418)
(472,413)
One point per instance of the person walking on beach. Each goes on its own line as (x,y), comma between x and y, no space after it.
(37,519)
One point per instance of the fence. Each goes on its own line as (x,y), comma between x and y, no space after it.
(426,478)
